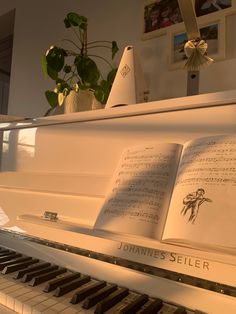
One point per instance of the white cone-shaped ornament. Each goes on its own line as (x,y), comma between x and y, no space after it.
(129,86)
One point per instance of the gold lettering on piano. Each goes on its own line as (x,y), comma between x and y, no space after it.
(189,261)
(169,257)
(139,250)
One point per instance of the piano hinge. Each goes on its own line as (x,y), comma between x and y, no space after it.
(51,216)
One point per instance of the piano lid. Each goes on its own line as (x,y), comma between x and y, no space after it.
(152,107)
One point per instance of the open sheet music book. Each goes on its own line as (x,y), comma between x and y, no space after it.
(180,194)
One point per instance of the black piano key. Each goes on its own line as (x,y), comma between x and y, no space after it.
(31,275)
(111,300)
(14,261)
(180,310)
(105,296)
(86,291)
(135,305)
(9,257)
(45,277)
(53,284)
(98,296)
(12,268)
(71,286)
(152,307)
(5,252)
(22,272)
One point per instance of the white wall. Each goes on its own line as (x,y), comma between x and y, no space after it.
(38,24)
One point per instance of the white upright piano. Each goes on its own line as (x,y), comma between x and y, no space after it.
(54,175)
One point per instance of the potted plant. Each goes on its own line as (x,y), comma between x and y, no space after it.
(74,69)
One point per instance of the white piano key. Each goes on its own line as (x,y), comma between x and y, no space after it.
(89,311)
(21,300)
(42,302)
(48,311)
(6,290)
(79,310)
(2,279)
(57,308)
(11,297)
(34,300)
(7,283)
(43,306)
(65,311)
(167,309)
(63,305)
(30,304)
(71,311)
(4,310)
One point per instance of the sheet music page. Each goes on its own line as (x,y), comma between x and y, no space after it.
(139,194)
(202,209)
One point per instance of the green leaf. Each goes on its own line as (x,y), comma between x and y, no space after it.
(55,58)
(87,70)
(67,23)
(52,98)
(47,70)
(52,73)
(100,95)
(102,91)
(105,84)
(73,19)
(59,80)
(84,86)
(111,75)
(114,48)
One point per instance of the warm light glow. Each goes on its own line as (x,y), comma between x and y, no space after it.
(3,217)
(16,229)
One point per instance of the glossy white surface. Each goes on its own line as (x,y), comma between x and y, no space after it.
(65,168)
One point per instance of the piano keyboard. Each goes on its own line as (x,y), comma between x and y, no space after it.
(31,286)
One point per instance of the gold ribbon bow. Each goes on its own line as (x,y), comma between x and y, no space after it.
(196,52)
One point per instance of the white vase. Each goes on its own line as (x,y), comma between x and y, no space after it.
(82,100)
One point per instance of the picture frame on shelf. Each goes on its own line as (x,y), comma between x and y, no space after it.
(214,7)
(213,32)
(157,16)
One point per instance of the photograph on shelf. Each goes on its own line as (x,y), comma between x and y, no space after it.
(205,7)
(212,32)
(158,15)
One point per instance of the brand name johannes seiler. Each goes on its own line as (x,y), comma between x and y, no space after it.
(172,257)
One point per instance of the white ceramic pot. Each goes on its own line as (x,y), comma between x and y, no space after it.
(83,100)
